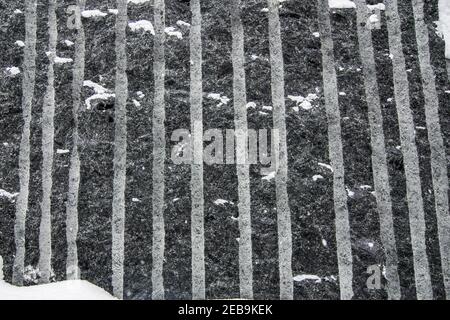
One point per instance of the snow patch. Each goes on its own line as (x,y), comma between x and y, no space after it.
(8,195)
(270,176)
(93,13)
(221,202)
(142,25)
(65,290)
(13,71)
(317,177)
(101,93)
(171,31)
(341,4)
(218,97)
(181,23)
(59,60)
(138,1)
(306,277)
(326,166)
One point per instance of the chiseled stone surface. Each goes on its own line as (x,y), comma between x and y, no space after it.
(310,183)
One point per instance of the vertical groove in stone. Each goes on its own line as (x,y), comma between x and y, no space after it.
(343,239)
(159,151)
(279,123)
(28,82)
(410,155)
(48,134)
(438,153)
(240,112)
(72,268)
(196,101)
(379,162)
(120,150)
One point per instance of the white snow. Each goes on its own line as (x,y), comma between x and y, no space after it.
(218,97)
(171,31)
(97,88)
(305,277)
(13,71)
(270,176)
(324,165)
(350,193)
(142,25)
(341,4)
(348,4)
(296,99)
(136,103)
(101,93)
(251,105)
(8,195)
(304,103)
(378,6)
(444,19)
(181,23)
(222,202)
(65,290)
(93,13)
(138,1)
(59,60)
(19,43)
(317,177)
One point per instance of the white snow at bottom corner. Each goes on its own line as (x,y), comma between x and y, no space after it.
(64,290)
(444,24)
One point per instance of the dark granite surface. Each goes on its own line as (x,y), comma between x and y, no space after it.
(311,201)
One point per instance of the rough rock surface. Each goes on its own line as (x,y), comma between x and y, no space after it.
(311,200)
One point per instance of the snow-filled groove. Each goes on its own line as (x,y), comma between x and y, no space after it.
(28,84)
(72,267)
(438,155)
(48,137)
(379,162)
(344,250)
(281,162)
(410,154)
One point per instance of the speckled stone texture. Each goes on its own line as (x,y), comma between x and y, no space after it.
(311,202)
